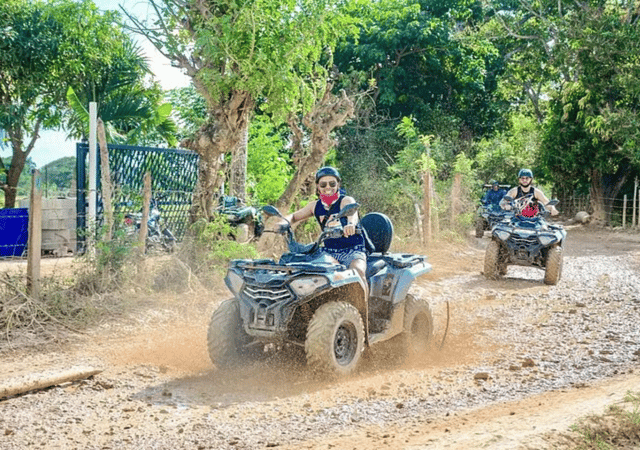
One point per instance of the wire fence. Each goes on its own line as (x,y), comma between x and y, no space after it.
(623,212)
(173,172)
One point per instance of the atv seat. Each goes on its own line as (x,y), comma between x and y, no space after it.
(379,229)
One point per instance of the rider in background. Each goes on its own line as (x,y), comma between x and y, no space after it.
(350,249)
(493,196)
(526,190)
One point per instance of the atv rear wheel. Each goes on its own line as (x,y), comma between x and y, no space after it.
(493,267)
(226,339)
(418,326)
(553,266)
(335,339)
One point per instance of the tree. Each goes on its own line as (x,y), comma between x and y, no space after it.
(426,64)
(239,53)
(44,48)
(585,54)
(133,113)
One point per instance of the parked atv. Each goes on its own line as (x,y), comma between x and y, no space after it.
(525,241)
(487,216)
(159,236)
(307,300)
(246,219)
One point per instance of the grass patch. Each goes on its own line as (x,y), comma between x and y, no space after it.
(618,428)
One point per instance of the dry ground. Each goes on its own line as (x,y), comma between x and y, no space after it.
(158,360)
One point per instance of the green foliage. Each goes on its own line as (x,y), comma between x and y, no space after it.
(189,109)
(423,59)
(274,50)
(45,48)
(618,428)
(503,155)
(212,246)
(132,112)
(269,168)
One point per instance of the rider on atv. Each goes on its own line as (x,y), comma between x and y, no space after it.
(493,195)
(525,190)
(350,249)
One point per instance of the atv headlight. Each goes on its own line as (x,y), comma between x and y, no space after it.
(503,235)
(308,285)
(234,282)
(546,239)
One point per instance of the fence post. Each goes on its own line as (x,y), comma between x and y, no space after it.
(426,219)
(633,211)
(34,246)
(146,200)
(638,219)
(624,211)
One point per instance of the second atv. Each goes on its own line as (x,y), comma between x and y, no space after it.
(526,241)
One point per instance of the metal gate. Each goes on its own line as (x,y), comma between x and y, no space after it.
(174,174)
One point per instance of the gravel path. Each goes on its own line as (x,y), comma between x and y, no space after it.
(506,340)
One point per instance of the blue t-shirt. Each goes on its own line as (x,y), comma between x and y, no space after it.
(493,197)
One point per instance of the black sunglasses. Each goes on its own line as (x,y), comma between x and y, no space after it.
(330,183)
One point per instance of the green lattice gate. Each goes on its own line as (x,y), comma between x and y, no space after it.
(174,175)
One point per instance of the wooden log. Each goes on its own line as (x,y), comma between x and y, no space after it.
(36,381)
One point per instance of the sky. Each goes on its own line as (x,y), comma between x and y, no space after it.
(52,144)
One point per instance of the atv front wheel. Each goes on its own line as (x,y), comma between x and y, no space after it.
(335,339)
(418,325)
(553,266)
(493,267)
(226,339)
(479,228)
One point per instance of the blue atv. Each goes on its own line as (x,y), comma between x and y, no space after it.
(487,216)
(306,300)
(525,241)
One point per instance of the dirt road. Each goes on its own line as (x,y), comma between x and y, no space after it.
(520,360)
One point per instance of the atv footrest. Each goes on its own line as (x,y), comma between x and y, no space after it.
(402,260)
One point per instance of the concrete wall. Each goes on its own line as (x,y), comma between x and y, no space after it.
(58,225)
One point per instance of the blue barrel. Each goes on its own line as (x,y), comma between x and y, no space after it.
(14,231)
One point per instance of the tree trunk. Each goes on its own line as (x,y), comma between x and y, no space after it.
(18,161)
(238,181)
(218,136)
(35,381)
(604,189)
(326,115)
(105,180)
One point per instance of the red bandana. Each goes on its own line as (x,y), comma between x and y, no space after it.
(328,200)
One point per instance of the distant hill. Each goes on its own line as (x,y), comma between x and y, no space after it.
(59,174)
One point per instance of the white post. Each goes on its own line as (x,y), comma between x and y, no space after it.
(624,212)
(93,172)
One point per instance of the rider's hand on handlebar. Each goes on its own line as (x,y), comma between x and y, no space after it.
(282,227)
(349,230)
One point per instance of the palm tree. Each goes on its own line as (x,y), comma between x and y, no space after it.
(132,112)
